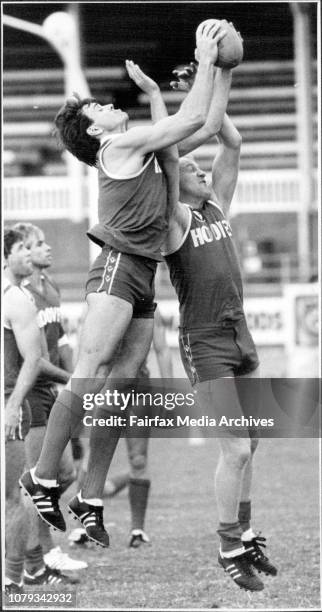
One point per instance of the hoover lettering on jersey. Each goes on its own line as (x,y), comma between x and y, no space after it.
(211,232)
(48,315)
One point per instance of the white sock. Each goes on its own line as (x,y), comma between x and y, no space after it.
(49,484)
(248,535)
(38,573)
(232,553)
(8,581)
(94,501)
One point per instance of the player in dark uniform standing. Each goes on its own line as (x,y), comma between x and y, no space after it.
(120,288)
(42,396)
(215,342)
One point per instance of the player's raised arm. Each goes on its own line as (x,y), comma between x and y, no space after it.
(168,157)
(193,111)
(226,163)
(217,109)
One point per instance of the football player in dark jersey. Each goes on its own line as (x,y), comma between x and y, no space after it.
(120,290)
(41,397)
(215,342)
(23,351)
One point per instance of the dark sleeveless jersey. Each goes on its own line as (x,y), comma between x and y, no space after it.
(49,318)
(132,210)
(205,271)
(12,358)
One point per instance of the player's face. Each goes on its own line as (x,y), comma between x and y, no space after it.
(193,180)
(19,260)
(106,117)
(40,251)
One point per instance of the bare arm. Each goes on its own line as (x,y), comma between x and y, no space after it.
(54,373)
(22,317)
(66,357)
(226,163)
(217,109)
(167,157)
(193,111)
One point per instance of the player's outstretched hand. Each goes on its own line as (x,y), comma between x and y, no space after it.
(142,80)
(185,77)
(208,36)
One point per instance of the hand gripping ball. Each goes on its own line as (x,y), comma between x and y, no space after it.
(230,48)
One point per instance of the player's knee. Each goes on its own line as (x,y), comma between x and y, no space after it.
(237,454)
(138,464)
(93,364)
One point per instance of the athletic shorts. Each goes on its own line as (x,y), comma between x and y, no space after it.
(24,420)
(215,352)
(40,402)
(129,277)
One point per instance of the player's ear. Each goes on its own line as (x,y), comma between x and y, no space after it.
(94,130)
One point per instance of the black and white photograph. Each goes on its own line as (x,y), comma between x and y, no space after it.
(161,311)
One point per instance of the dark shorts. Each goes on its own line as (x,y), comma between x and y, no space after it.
(24,420)
(217,352)
(129,277)
(40,402)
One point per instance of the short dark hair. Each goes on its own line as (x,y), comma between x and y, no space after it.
(10,237)
(26,229)
(71,128)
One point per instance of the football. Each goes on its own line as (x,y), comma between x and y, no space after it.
(230,48)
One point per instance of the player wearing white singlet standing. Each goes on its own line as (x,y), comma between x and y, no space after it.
(23,361)
(41,397)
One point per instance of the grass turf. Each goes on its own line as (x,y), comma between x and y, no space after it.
(179,570)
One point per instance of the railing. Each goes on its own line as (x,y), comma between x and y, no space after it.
(54,197)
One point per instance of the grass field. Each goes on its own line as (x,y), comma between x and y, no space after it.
(179,570)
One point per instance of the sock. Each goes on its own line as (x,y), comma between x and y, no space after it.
(230,539)
(248,535)
(48,483)
(138,496)
(37,573)
(34,560)
(63,424)
(102,444)
(14,568)
(94,501)
(244,514)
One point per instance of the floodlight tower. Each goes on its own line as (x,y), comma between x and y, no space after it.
(60,30)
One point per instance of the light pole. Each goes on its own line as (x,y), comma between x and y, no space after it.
(60,30)
(303,68)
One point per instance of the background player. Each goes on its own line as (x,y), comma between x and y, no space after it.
(120,293)
(41,397)
(23,361)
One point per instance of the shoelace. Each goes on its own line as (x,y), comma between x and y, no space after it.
(257,542)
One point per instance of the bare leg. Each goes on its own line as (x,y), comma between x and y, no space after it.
(105,324)
(133,350)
